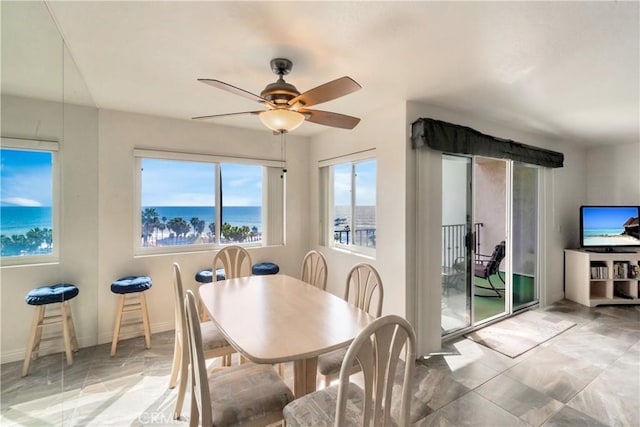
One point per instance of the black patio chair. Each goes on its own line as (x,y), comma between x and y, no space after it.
(488,266)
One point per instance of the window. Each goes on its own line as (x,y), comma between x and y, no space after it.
(351,202)
(28,201)
(180,195)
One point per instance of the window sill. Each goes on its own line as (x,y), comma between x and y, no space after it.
(367,253)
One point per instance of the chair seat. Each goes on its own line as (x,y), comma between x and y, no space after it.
(206,276)
(131,284)
(319,408)
(51,294)
(265,268)
(212,338)
(246,392)
(330,363)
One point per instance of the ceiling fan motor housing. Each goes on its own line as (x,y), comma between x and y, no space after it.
(280,92)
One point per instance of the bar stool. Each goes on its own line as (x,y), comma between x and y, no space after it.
(264,268)
(41,297)
(132,298)
(206,276)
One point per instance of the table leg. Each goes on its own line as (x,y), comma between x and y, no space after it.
(304,376)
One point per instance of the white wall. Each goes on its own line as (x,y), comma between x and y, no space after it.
(119,134)
(385,132)
(454,206)
(27,118)
(98,213)
(614,175)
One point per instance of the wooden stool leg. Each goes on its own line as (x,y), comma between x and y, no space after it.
(145,320)
(35,325)
(66,333)
(72,330)
(116,329)
(36,345)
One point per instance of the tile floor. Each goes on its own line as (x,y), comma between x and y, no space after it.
(587,376)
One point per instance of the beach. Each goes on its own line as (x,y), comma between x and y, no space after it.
(617,240)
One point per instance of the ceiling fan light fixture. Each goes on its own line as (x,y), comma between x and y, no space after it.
(281,120)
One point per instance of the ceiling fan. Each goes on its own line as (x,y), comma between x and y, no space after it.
(286,107)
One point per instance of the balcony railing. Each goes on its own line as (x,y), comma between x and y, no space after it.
(453,242)
(362,237)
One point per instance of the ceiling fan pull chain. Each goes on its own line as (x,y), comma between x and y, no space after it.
(283,152)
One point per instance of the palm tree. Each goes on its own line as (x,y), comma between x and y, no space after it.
(179,226)
(149,218)
(164,225)
(198,225)
(212,231)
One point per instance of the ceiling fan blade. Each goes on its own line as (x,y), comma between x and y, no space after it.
(226,114)
(327,118)
(326,92)
(235,90)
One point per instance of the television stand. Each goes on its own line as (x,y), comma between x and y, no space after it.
(598,278)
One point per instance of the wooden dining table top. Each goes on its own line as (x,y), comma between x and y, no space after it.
(278,318)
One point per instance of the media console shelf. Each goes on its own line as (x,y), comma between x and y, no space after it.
(592,278)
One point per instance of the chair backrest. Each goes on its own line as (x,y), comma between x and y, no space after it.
(235,260)
(200,395)
(377,350)
(314,269)
(180,318)
(363,287)
(493,265)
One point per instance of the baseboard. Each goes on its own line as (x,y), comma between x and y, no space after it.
(83,342)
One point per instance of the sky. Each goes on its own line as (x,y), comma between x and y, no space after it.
(611,217)
(365,184)
(25,178)
(182,183)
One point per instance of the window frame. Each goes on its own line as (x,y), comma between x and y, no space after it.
(52,147)
(268,211)
(326,170)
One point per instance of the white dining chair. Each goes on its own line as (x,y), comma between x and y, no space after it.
(364,290)
(214,343)
(377,350)
(235,260)
(314,269)
(247,394)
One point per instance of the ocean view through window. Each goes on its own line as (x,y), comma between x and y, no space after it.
(353,209)
(27,201)
(178,200)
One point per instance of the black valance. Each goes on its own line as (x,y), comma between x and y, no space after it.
(450,138)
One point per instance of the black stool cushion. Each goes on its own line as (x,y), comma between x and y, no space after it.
(51,294)
(131,284)
(264,268)
(206,276)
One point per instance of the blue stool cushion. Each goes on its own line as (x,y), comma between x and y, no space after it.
(51,294)
(264,268)
(131,284)
(206,276)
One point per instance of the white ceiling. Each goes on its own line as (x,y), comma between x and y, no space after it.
(569,70)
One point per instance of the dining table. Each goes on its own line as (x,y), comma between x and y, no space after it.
(278,318)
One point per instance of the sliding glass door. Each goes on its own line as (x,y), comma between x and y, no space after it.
(457,247)
(524,247)
(490,207)
(489,240)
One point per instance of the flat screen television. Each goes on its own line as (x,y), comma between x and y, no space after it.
(609,228)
